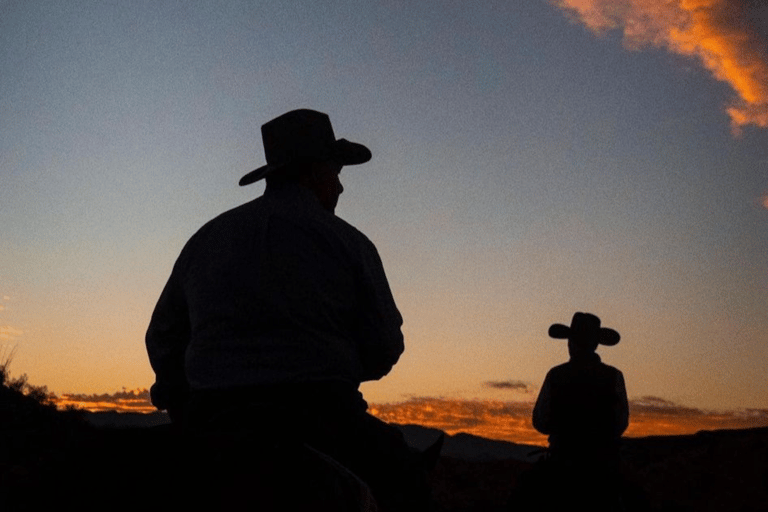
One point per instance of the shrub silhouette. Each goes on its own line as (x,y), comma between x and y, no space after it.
(33,436)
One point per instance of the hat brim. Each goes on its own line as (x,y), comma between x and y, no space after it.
(609,337)
(605,336)
(559,331)
(255,175)
(341,151)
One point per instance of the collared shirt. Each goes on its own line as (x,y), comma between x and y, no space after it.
(276,291)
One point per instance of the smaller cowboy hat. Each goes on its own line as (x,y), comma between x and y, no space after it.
(586,325)
(302,136)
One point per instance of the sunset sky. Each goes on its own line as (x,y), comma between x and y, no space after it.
(530,159)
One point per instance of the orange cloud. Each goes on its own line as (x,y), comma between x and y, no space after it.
(723,35)
(136,400)
(653,416)
(511,421)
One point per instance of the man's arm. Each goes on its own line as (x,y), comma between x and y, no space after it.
(379,334)
(622,410)
(542,411)
(166,340)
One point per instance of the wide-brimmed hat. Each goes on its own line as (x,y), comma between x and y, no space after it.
(302,136)
(587,326)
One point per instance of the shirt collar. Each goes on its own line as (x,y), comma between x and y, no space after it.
(292,193)
(591,358)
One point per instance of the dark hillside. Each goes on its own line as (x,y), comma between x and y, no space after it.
(51,458)
(715,471)
(709,471)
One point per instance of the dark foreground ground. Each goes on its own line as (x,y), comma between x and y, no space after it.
(710,471)
(52,461)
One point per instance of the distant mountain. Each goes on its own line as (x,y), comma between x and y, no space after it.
(114,419)
(469,447)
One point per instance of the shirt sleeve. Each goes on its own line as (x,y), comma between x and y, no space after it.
(622,411)
(380,338)
(542,411)
(166,341)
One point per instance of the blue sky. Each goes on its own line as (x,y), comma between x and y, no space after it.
(524,168)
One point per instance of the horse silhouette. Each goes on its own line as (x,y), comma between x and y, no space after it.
(260,441)
(281,477)
(275,471)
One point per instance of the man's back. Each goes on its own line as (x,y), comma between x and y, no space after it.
(280,291)
(585,398)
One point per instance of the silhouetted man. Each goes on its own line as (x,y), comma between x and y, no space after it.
(277,310)
(582,406)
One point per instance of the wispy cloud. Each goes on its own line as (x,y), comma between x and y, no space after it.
(136,400)
(8,333)
(511,385)
(728,37)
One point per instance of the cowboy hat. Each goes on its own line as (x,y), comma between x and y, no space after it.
(302,136)
(586,325)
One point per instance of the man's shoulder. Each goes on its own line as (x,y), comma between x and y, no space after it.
(610,373)
(343,228)
(345,237)
(237,212)
(613,370)
(557,372)
(562,367)
(221,224)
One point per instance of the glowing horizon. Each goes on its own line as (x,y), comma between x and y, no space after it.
(492,419)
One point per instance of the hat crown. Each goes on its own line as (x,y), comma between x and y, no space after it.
(297,136)
(585,323)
